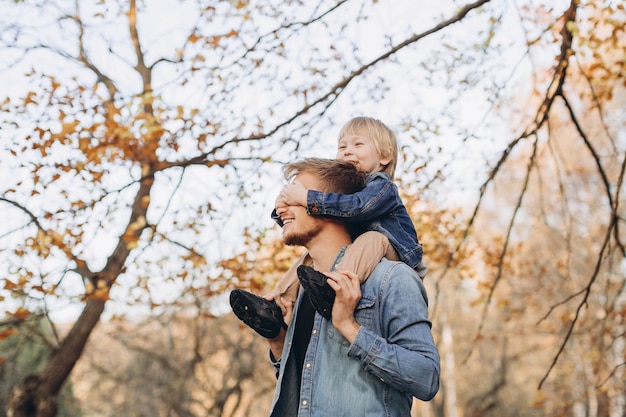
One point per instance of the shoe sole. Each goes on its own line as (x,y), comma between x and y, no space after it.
(247,310)
(322,296)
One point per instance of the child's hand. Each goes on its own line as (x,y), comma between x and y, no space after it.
(288,310)
(294,194)
(280,202)
(286,306)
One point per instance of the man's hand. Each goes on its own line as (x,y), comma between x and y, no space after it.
(276,344)
(348,293)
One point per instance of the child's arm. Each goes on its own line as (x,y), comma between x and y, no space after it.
(379,197)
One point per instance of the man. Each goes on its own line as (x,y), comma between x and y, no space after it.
(377,351)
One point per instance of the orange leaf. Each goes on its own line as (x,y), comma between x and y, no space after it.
(20,313)
(8,332)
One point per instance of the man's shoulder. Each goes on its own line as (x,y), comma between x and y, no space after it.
(393,277)
(387,269)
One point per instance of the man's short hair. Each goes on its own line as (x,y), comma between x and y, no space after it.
(334,175)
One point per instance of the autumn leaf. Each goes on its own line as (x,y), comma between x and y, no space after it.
(21,314)
(7,333)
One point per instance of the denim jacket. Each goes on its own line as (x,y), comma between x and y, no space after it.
(377,207)
(392,359)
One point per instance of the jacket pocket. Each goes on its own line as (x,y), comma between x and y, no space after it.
(364,315)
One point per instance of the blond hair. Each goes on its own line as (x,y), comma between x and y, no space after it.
(383,137)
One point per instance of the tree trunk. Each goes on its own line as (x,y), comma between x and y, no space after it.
(450,373)
(36,395)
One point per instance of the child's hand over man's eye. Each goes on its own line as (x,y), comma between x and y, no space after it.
(294,194)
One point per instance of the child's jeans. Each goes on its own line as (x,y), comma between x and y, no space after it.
(361,257)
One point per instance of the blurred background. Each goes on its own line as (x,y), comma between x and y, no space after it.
(141,145)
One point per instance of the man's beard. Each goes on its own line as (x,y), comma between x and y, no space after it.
(301,239)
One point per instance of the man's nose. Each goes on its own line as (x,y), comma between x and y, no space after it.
(281,209)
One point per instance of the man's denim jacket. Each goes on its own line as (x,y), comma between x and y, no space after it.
(392,359)
(377,207)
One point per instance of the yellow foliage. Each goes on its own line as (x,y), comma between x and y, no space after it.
(20,314)
(43,239)
(30,98)
(100,293)
(195,259)
(240,4)
(139,224)
(55,237)
(10,285)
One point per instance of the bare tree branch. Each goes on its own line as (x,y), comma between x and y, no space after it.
(541,117)
(602,173)
(82,57)
(335,90)
(586,291)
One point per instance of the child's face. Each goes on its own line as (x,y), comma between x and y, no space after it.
(360,150)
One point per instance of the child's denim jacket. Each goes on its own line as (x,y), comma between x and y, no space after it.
(377,207)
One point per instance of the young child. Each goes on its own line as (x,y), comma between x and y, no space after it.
(382,227)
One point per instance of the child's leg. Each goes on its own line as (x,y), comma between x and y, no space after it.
(365,253)
(421,269)
(288,285)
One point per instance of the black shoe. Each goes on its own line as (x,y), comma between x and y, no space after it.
(263,316)
(321,295)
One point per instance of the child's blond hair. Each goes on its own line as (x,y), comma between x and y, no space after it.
(383,137)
